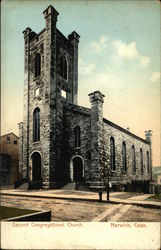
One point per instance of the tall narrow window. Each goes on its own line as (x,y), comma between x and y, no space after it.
(133,159)
(63,67)
(36,125)
(112,153)
(77,136)
(141,161)
(37,64)
(148,163)
(124,157)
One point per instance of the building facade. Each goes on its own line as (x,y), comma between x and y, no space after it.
(61,142)
(9,158)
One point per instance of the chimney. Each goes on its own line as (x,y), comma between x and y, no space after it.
(97,136)
(148,135)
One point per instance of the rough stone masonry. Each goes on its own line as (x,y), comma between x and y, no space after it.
(61,143)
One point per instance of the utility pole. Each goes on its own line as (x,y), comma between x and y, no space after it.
(108,180)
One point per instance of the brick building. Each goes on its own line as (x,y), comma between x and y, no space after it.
(9,154)
(61,142)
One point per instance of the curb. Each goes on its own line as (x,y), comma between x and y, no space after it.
(36,216)
(155,206)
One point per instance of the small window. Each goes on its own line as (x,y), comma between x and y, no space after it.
(15,141)
(133,159)
(37,64)
(8,139)
(63,67)
(36,92)
(77,136)
(112,153)
(63,93)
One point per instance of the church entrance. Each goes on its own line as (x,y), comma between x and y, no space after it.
(36,167)
(77,169)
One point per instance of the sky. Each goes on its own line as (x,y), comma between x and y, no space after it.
(119,55)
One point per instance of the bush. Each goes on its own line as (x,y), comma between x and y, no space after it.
(157,189)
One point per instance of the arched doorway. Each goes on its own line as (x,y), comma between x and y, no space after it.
(77,169)
(36,167)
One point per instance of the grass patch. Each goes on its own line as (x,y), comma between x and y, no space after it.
(9,212)
(156,197)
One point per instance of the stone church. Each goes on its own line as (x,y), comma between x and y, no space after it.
(61,143)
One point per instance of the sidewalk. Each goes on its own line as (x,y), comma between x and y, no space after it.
(115,197)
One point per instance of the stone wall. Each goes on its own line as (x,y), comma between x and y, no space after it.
(51,44)
(76,116)
(120,136)
(96,99)
(59,116)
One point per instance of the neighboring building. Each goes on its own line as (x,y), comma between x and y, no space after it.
(61,142)
(157,175)
(9,154)
(159,179)
(5,169)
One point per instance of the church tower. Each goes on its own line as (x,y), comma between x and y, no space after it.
(51,79)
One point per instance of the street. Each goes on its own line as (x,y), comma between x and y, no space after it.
(85,211)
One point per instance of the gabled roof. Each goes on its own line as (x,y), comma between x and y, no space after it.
(124,130)
(9,134)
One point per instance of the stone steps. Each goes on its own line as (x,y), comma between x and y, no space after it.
(24,186)
(70,186)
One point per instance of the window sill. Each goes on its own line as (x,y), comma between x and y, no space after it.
(37,78)
(113,171)
(63,98)
(36,142)
(76,148)
(39,97)
(63,79)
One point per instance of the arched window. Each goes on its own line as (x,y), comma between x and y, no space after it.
(148,163)
(63,67)
(112,153)
(124,157)
(37,64)
(141,161)
(77,136)
(36,125)
(133,159)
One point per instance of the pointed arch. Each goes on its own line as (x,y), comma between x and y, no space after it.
(77,168)
(141,161)
(36,125)
(37,64)
(77,136)
(148,161)
(63,67)
(124,163)
(133,159)
(36,166)
(112,153)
